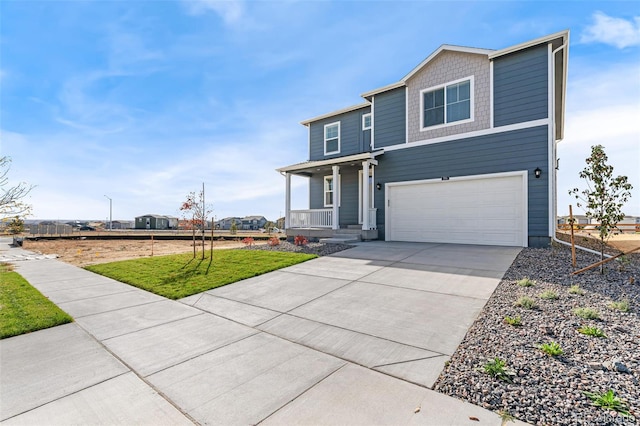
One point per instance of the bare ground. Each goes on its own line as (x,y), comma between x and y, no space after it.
(89,252)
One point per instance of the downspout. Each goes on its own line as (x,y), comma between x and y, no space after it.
(555,180)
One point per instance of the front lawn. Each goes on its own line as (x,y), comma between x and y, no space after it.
(24,309)
(181,275)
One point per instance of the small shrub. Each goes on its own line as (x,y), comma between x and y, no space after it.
(575,289)
(526,302)
(549,295)
(622,305)
(274,241)
(505,417)
(587,313)
(591,331)
(608,401)
(497,368)
(248,241)
(514,321)
(623,262)
(551,348)
(526,282)
(300,240)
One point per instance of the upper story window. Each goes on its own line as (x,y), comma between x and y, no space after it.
(451,103)
(366,122)
(332,138)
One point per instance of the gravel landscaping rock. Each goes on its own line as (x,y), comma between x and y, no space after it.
(549,390)
(319,249)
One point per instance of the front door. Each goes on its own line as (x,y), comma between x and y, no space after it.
(361,210)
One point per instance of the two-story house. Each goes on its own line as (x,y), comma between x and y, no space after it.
(461,150)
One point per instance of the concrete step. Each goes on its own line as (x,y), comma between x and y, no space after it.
(349,230)
(347,236)
(335,240)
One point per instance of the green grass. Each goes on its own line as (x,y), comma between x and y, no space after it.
(551,348)
(549,295)
(608,401)
(24,309)
(622,305)
(497,368)
(575,289)
(591,331)
(526,282)
(526,302)
(181,275)
(514,321)
(587,313)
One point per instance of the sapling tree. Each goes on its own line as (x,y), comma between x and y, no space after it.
(11,197)
(604,197)
(195,207)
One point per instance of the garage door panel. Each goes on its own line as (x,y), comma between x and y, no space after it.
(474,211)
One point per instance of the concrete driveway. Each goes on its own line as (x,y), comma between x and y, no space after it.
(358,337)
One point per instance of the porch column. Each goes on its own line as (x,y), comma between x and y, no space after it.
(335,223)
(365,195)
(287,203)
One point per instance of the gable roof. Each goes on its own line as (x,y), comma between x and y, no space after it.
(561,84)
(530,43)
(442,48)
(449,48)
(331,114)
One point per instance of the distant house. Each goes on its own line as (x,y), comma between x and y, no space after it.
(173,222)
(121,224)
(247,223)
(225,223)
(253,223)
(579,219)
(152,221)
(631,219)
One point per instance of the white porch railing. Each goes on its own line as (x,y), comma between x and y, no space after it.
(314,218)
(373,215)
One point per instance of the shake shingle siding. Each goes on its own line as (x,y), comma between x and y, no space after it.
(389,118)
(520,86)
(503,152)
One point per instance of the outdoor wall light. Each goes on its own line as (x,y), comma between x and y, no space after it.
(538,172)
(378,186)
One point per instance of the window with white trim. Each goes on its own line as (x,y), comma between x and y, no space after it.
(329,190)
(366,122)
(332,138)
(448,104)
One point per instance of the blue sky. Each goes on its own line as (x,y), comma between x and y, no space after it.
(145,100)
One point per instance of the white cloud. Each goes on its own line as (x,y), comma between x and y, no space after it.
(229,10)
(617,32)
(595,117)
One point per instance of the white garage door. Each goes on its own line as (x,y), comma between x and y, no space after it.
(489,210)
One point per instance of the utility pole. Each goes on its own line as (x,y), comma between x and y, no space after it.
(110,213)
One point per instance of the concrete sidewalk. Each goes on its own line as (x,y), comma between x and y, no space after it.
(353,338)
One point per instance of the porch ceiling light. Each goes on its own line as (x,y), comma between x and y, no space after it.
(538,172)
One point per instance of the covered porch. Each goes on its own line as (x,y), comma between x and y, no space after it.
(341,193)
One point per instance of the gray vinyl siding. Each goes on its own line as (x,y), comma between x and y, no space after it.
(348,199)
(503,152)
(352,138)
(520,88)
(389,121)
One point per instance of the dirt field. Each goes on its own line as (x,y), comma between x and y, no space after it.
(89,252)
(623,242)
